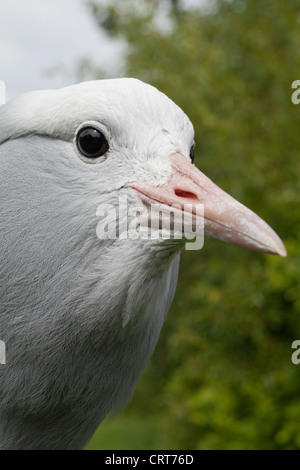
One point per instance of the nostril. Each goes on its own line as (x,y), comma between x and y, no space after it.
(185,194)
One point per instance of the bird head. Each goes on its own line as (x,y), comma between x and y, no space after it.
(121,137)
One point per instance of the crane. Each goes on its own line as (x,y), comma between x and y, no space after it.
(81,313)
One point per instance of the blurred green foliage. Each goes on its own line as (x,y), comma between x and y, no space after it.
(221,376)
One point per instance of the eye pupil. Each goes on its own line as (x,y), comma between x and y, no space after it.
(92,143)
(192,153)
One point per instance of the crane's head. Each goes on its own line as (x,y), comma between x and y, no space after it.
(92,142)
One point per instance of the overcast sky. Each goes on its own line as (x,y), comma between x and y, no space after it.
(38,35)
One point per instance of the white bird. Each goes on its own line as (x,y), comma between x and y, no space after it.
(80,316)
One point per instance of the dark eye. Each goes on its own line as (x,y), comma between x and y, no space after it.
(192,154)
(92,143)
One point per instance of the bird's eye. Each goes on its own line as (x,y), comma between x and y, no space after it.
(192,154)
(92,143)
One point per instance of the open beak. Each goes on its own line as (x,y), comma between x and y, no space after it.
(224,217)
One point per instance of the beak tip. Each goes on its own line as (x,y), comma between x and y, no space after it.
(282,251)
(278,247)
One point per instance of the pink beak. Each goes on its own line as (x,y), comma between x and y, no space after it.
(224,217)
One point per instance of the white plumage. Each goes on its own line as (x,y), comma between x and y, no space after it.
(81,316)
